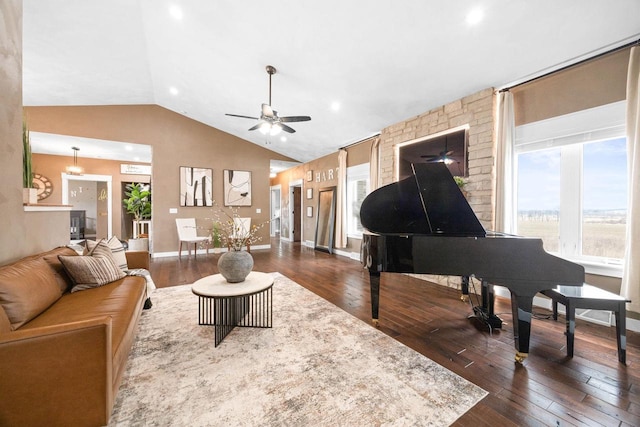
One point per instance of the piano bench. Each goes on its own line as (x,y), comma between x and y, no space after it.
(590,297)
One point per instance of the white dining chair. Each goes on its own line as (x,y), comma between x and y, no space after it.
(188,233)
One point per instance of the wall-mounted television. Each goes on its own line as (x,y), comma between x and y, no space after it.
(450,148)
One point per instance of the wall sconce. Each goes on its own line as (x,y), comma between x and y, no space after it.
(75,169)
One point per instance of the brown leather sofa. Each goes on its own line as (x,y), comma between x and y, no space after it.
(63,366)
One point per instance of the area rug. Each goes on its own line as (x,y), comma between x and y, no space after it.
(317,366)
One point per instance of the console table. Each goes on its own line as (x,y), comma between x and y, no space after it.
(226,305)
(590,297)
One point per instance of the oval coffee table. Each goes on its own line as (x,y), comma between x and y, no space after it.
(226,305)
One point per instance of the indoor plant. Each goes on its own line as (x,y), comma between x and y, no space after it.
(137,203)
(29,193)
(235,264)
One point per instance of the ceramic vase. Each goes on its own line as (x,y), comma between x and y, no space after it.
(235,266)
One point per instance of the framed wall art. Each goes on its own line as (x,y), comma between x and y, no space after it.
(196,186)
(236,188)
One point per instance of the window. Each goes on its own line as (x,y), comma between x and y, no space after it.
(572,184)
(357,190)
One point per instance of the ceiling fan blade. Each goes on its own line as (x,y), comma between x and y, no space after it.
(244,117)
(257,126)
(295,119)
(267,110)
(287,128)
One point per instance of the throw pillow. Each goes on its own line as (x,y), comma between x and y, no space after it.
(93,270)
(117,250)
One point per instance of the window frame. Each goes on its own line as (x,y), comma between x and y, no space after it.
(569,133)
(354,174)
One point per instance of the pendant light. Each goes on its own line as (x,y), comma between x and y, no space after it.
(75,169)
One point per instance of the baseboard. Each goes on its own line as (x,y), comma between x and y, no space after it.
(352,255)
(202,251)
(600,317)
(310,243)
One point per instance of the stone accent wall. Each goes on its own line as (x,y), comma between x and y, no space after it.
(478,111)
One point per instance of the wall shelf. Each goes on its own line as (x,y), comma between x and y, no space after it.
(42,207)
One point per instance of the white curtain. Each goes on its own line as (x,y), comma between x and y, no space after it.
(631,276)
(341,203)
(504,201)
(374,165)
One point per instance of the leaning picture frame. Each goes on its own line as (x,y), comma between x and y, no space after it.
(196,186)
(236,187)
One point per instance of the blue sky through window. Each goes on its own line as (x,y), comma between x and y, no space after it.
(605,175)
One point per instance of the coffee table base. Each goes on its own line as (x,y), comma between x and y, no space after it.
(225,313)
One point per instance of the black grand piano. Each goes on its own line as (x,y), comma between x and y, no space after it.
(423,224)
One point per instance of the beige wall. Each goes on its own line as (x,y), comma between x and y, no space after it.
(21,233)
(324,173)
(53,166)
(176,141)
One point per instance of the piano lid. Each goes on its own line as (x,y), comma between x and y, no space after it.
(429,202)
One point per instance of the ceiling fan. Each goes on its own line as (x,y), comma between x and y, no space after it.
(441,157)
(269,122)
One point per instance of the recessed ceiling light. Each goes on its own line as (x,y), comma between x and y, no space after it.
(335,106)
(283,138)
(176,12)
(475,16)
(173,90)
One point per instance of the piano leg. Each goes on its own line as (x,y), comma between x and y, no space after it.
(374,282)
(521,307)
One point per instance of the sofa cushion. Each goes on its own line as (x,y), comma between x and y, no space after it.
(117,251)
(27,288)
(94,270)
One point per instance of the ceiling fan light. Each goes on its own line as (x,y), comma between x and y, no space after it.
(276,128)
(265,128)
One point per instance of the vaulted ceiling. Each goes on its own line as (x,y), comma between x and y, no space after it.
(354,66)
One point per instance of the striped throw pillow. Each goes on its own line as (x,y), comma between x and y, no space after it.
(93,270)
(117,250)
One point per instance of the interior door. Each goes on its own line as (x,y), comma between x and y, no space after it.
(297,213)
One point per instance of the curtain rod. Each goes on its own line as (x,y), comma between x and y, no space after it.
(622,47)
(360,141)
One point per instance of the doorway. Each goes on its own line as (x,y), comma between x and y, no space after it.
(295,216)
(276,192)
(91,193)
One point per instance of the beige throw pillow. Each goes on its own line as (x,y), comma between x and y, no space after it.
(94,270)
(117,251)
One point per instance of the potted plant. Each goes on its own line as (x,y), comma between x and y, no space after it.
(216,237)
(461,183)
(29,193)
(138,204)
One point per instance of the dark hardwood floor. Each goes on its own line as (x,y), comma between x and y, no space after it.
(549,389)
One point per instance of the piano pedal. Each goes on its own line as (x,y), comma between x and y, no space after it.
(492,321)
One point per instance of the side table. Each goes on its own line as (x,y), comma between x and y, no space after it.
(226,305)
